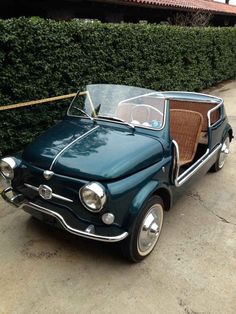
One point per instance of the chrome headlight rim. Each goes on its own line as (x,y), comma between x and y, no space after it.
(8,162)
(99,190)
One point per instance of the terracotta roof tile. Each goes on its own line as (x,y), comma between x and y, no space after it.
(205,5)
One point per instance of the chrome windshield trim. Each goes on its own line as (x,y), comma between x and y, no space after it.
(96,118)
(60,197)
(72,230)
(81,94)
(70,144)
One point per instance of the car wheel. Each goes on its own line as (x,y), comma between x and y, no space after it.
(219,164)
(145,231)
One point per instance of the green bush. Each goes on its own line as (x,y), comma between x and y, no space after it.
(42,58)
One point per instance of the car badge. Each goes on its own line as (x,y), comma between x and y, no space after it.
(45,192)
(48,174)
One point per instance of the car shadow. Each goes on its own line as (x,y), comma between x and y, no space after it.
(75,247)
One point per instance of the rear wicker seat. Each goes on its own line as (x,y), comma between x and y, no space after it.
(202,108)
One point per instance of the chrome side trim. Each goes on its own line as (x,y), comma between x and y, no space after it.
(31,186)
(60,197)
(186,175)
(192,100)
(194,165)
(78,232)
(70,144)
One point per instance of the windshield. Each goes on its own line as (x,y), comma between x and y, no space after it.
(119,103)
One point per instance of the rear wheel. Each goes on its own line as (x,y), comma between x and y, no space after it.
(145,232)
(219,164)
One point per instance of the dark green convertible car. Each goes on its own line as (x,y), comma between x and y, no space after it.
(119,159)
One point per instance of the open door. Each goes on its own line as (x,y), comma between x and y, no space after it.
(212,127)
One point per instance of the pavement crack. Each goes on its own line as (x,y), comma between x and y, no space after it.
(187,309)
(197,197)
(224,220)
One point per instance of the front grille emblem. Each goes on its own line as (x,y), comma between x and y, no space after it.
(45,192)
(48,174)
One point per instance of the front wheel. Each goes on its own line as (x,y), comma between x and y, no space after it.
(145,232)
(219,164)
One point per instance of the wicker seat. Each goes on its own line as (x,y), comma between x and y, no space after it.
(185,129)
(202,108)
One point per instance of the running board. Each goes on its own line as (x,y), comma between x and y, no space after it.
(186,175)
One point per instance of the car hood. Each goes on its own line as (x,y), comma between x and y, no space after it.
(93,152)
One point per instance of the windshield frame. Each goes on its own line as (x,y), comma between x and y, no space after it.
(96,118)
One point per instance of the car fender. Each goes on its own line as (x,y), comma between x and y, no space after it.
(228,130)
(141,198)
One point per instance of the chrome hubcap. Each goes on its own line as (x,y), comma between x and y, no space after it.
(150,230)
(224,152)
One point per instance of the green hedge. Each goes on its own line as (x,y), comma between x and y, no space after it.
(42,58)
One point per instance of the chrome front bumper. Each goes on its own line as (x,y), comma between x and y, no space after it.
(18,201)
(15,200)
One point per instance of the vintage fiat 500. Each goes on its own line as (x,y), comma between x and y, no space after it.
(118,159)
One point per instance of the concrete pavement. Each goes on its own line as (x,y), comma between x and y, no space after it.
(191,271)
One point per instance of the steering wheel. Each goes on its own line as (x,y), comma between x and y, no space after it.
(148,107)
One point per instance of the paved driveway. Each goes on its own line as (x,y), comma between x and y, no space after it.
(193,269)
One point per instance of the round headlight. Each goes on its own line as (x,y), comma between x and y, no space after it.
(93,196)
(7,166)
